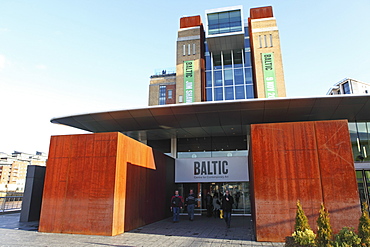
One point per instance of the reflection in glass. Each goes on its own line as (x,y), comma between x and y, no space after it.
(238,60)
(217,76)
(218,94)
(238,76)
(361,187)
(229,93)
(227,60)
(208,79)
(209,94)
(224,22)
(239,92)
(250,92)
(228,77)
(217,61)
(360,140)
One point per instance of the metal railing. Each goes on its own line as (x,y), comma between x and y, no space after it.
(10,203)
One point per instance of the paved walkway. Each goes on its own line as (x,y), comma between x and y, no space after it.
(202,231)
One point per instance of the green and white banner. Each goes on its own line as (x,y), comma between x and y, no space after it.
(189,81)
(269,77)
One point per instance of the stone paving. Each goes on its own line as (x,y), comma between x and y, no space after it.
(202,231)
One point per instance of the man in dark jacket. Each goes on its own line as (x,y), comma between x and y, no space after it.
(176,205)
(227,206)
(190,202)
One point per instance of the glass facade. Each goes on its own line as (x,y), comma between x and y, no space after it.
(224,22)
(216,146)
(229,74)
(360,139)
(239,191)
(363,182)
(162,95)
(346,88)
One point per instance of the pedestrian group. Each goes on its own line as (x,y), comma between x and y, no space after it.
(216,206)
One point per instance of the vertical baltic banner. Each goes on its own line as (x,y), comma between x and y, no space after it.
(269,77)
(189,81)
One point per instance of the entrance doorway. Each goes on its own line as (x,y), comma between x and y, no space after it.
(239,191)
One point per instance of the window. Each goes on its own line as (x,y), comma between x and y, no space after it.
(217,75)
(228,75)
(346,88)
(208,79)
(250,92)
(224,22)
(209,94)
(217,64)
(183,50)
(238,59)
(188,49)
(260,40)
(169,94)
(227,60)
(162,95)
(229,93)
(265,41)
(239,92)
(247,59)
(193,49)
(238,76)
(218,94)
(271,40)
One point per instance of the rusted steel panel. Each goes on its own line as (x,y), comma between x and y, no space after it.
(338,177)
(262,12)
(87,183)
(307,161)
(191,21)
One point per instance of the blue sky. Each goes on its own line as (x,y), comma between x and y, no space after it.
(66,57)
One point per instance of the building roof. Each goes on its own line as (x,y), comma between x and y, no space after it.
(222,118)
(337,85)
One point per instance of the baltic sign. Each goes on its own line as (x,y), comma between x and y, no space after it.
(269,77)
(189,81)
(218,169)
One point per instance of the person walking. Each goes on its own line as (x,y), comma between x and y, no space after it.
(190,203)
(216,206)
(209,202)
(227,206)
(176,205)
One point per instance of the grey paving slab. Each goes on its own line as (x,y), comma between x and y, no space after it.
(202,231)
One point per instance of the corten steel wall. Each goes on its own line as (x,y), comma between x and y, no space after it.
(307,161)
(86,184)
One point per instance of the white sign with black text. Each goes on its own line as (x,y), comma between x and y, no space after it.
(218,169)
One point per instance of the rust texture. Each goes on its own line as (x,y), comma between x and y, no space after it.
(86,186)
(191,21)
(262,12)
(307,161)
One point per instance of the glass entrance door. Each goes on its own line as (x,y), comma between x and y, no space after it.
(240,193)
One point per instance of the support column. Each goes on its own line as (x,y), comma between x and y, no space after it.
(174,147)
